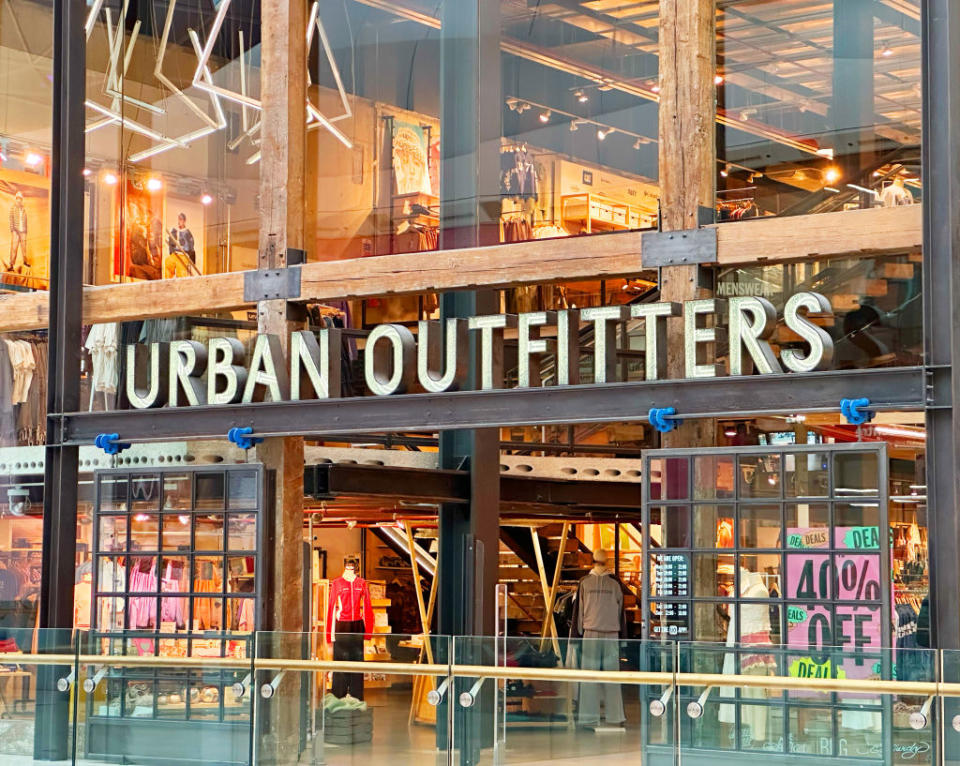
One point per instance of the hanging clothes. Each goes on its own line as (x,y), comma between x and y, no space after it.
(143,609)
(8,420)
(206,611)
(23,364)
(103,345)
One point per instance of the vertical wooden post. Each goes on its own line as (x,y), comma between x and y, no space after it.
(281,204)
(687,162)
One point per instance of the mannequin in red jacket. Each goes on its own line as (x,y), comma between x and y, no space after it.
(349,622)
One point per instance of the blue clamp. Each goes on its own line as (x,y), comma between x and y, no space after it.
(855,411)
(110,443)
(660,419)
(242,438)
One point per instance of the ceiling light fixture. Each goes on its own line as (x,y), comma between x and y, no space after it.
(110,179)
(655,87)
(86,172)
(600,134)
(718,79)
(831,175)
(545,116)
(886,52)
(903,432)
(33,159)
(582,97)
(206,199)
(154,184)
(725,171)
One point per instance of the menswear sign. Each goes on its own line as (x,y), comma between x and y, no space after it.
(187,372)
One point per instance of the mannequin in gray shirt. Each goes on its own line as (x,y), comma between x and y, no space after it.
(599,619)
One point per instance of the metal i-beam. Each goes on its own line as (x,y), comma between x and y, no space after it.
(897,389)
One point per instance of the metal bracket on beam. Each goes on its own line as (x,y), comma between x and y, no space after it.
(271,284)
(678,248)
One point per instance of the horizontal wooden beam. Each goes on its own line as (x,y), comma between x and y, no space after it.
(826,235)
(764,240)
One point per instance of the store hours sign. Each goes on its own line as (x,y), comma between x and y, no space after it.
(436,359)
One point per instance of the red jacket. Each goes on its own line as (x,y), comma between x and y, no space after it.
(347,602)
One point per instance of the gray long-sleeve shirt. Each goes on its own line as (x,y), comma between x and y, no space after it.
(599,606)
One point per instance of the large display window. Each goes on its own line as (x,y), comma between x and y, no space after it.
(176,573)
(777,561)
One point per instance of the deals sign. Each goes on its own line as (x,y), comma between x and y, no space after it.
(814,578)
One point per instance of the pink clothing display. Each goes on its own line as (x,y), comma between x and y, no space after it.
(143,609)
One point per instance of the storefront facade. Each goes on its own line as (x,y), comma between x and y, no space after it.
(473,290)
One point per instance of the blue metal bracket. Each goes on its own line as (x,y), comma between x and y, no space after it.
(855,411)
(660,419)
(110,443)
(242,438)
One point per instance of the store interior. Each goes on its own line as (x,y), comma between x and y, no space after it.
(172,169)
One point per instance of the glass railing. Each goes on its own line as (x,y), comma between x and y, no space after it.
(402,699)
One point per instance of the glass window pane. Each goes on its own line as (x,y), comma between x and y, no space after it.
(713,575)
(713,526)
(760,526)
(858,577)
(208,532)
(177,492)
(760,575)
(671,575)
(243,489)
(806,516)
(806,474)
(144,493)
(809,576)
(670,527)
(821,106)
(210,491)
(713,477)
(710,623)
(670,619)
(759,476)
(145,532)
(670,478)
(856,473)
(857,525)
(113,493)
(176,531)
(242,532)
(113,533)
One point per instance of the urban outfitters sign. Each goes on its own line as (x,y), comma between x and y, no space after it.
(186,372)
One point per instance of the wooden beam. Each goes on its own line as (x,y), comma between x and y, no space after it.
(827,235)
(688,164)
(766,240)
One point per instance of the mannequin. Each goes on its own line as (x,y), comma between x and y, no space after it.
(599,619)
(349,623)
(895,194)
(755,631)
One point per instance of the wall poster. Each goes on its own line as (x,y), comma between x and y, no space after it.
(159,237)
(25,239)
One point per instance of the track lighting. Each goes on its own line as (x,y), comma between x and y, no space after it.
(581,97)
(545,116)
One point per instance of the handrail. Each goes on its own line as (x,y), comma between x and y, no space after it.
(784,683)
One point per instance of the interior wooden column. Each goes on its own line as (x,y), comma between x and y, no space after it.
(687,162)
(282,156)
